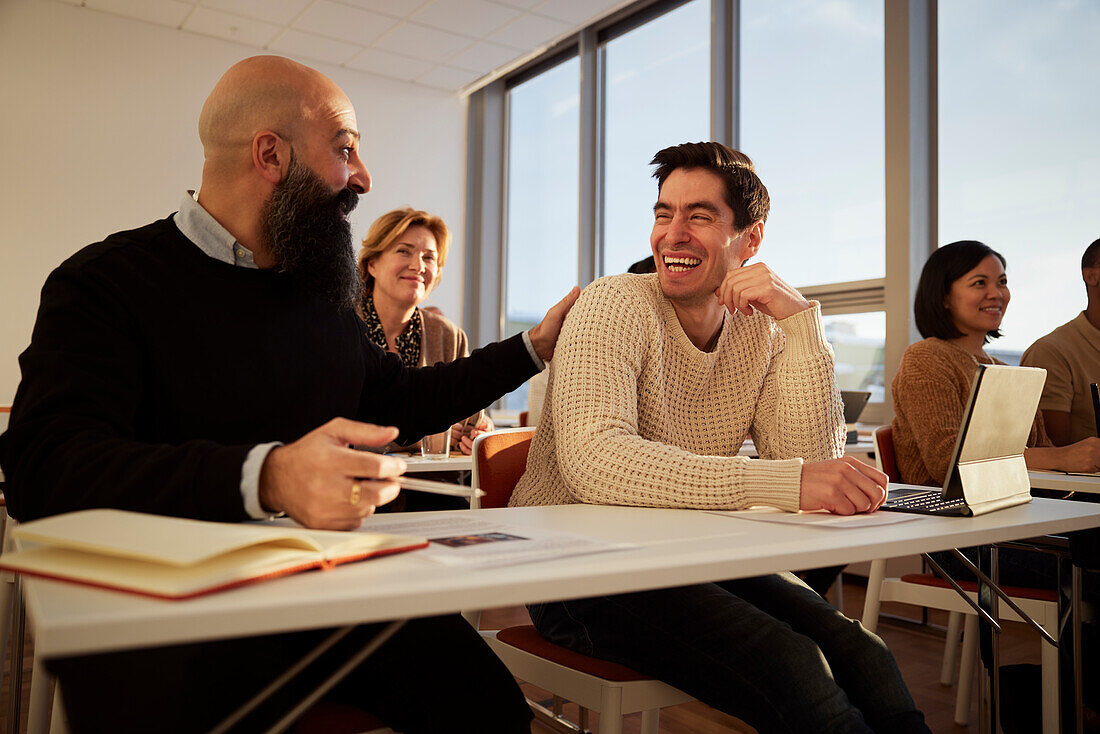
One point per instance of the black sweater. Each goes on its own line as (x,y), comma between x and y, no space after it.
(153,369)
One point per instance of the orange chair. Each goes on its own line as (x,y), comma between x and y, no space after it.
(523,418)
(883,438)
(610,689)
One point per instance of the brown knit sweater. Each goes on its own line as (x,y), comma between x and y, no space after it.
(930,391)
(635,414)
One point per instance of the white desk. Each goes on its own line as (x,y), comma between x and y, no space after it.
(419,465)
(1064,482)
(678,547)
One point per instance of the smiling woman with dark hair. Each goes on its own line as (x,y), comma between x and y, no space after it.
(961,299)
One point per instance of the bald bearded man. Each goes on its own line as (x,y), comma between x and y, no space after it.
(210,365)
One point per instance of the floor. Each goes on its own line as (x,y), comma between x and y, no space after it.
(918,649)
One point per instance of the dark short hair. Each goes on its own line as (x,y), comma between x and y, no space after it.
(643,266)
(745,193)
(944,267)
(1091,258)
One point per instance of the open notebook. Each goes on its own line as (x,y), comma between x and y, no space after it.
(174,558)
(987,470)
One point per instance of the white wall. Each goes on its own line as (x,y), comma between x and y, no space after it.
(98,134)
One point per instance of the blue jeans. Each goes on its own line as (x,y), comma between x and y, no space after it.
(767,650)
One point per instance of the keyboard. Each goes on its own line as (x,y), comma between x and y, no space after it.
(923,502)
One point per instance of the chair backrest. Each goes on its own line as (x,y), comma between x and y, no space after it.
(523,417)
(884,452)
(500,458)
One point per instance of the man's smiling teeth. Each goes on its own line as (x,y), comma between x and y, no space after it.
(681,264)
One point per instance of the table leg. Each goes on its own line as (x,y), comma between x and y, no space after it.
(15,673)
(988,645)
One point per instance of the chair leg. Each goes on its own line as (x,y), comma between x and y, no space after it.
(38,713)
(7,588)
(651,719)
(59,722)
(950,647)
(1049,660)
(838,592)
(872,602)
(966,670)
(611,710)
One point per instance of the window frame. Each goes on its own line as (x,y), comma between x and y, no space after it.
(910,37)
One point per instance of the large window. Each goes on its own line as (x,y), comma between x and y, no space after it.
(811,118)
(543,165)
(1019,153)
(542,193)
(653,100)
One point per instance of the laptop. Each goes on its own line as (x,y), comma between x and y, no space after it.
(987,470)
(854,401)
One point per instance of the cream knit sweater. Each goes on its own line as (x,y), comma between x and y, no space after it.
(636,415)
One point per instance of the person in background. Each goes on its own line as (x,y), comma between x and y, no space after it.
(400,265)
(1071,356)
(643,266)
(961,300)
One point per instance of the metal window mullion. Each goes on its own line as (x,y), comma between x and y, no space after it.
(911,164)
(725,16)
(590,201)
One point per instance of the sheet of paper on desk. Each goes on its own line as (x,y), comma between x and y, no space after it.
(819,519)
(477,543)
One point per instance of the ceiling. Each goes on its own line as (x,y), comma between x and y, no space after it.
(444,44)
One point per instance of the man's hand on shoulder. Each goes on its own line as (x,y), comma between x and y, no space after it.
(321,482)
(757,287)
(843,486)
(544,337)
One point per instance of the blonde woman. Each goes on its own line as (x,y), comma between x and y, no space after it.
(400,264)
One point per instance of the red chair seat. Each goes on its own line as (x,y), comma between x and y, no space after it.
(1022,592)
(332,717)
(526,637)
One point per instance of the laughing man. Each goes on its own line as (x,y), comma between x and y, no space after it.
(657,380)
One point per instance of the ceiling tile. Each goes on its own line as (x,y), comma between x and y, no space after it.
(394,8)
(162,12)
(475,18)
(576,12)
(521,4)
(443,77)
(279,12)
(483,57)
(528,32)
(421,42)
(318,48)
(392,65)
(353,25)
(231,27)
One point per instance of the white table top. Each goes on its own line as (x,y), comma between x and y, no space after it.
(677,547)
(1064,482)
(455,462)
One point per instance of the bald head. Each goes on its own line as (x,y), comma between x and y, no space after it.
(261,93)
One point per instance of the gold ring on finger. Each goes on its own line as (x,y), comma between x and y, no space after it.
(356,491)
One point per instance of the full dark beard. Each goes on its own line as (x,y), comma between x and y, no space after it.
(309,236)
